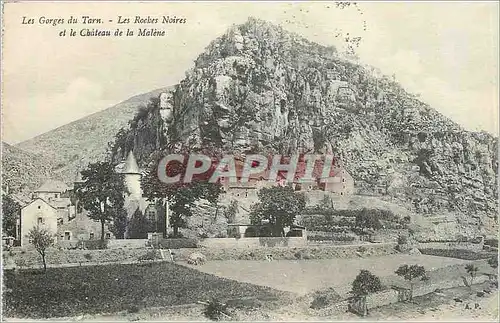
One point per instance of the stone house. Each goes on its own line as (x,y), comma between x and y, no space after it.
(40,214)
(337,180)
(51,190)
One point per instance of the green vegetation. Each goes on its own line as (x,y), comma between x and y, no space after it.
(471,270)
(215,310)
(324,298)
(456,253)
(491,242)
(140,225)
(101,193)
(314,237)
(113,288)
(41,240)
(279,206)
(363,285)
(493,261)
(330,220)
(411,274)
(182,197)
(11,210)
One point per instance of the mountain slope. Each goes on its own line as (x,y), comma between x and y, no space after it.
(23,171)
(78,143)
(259,88)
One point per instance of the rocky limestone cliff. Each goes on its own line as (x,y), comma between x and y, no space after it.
(259,88)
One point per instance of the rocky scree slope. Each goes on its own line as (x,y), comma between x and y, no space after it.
(259,88)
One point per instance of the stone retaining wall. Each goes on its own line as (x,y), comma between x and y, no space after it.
(30,258)
(263,242)
(290,253)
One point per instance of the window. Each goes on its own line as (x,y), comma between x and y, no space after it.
(55,195)
(39,207)
(108,235)
(40,221)
(246,193)
(343,180)
(91,235)
(67,235)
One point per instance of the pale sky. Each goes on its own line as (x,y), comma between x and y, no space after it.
(446,52)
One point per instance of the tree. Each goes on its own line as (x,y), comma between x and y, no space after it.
(493,262)
(365,283)
(326,203)
(139,226)
(10,213)
(278,205)
(101,193)
(179,197)
(230,211)
(411,274)
(472,271)
(41,239)
(367,219)
(119,225)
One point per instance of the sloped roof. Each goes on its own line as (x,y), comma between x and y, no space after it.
(131,166)
(38,198)
(52,185)
(21,199)
(61,203)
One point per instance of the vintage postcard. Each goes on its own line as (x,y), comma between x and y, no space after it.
(249,161)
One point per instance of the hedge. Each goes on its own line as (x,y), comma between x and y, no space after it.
(456,253)
(177,243)
(330,238)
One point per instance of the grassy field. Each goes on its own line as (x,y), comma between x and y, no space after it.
(114,288)
(305,276)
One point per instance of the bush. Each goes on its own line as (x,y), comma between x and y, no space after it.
(330,238)
(402,240)
(324,298)
(133,309)
(177,243)
(216,310)
(302,255)
(491,242)
(95,244)
(150,255)
(361,249)
(196,258)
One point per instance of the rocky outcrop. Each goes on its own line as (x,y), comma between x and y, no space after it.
(259,88)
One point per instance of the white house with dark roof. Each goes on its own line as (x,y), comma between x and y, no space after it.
(38,213)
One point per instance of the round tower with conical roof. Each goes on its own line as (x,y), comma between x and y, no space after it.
(132,176)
